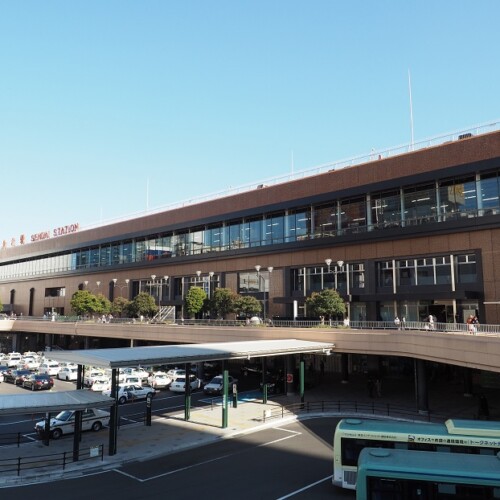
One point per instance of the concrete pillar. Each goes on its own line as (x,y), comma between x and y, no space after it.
(421,392)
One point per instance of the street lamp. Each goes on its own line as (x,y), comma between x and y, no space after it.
(121,287)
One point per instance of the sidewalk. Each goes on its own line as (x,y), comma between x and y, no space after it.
(173,434)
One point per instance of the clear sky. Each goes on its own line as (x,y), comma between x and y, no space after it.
(110,107)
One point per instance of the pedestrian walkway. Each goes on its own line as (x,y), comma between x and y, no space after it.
(172,434)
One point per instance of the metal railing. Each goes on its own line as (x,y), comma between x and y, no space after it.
(352,408)
(462,328)
(48,462)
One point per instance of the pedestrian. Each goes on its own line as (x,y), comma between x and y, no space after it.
(397,323)
(403,323)
(432,325)
(470,327)
(475,324)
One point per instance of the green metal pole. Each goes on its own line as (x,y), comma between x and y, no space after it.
(225,399)
(301,379)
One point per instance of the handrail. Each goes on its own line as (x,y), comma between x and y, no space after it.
(48,461)
(350,408)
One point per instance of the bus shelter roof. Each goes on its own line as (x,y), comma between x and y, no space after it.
(188,353)
(53,402)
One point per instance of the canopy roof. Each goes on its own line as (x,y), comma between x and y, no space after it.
(188,353)
(53,402)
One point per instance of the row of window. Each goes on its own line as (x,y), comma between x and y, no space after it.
(351,278)
(471,196)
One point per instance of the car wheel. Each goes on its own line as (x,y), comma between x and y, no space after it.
(96,426)
(122,400)
(56,433)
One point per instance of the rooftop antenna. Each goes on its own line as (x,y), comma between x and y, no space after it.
(411,111)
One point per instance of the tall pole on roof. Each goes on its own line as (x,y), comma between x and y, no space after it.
(411,111)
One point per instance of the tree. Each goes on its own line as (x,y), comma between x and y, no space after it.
(143,304)
(246,305)
(84,302)
(327,303)
(103,304)
(194,300)
(120,306)
(222,302)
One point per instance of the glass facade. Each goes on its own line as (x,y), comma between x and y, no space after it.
(442,200)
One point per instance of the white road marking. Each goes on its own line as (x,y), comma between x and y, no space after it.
(293,493)
(295,434)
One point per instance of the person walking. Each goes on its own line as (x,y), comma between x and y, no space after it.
(397,323)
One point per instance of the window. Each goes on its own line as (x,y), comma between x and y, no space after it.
(386,209)
(420,204)
(326,220)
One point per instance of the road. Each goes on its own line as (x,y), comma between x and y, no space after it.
(290,461)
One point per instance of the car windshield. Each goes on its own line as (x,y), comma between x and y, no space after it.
(64,415)
(180,380)
(217,380)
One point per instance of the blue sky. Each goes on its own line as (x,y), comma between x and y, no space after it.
(108,108)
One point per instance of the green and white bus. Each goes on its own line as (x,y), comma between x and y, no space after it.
(426,475)
(477,437)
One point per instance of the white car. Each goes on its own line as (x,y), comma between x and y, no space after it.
(49,367)
(179,384)
(68,373)
(131,393)
(176,372)
(14,359)
(64,422)
(215,386)
(141,374)
(91,375)
(101,384)
(159,380)
(30,363)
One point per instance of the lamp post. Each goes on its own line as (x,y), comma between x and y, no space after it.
(340,266)
(121,287)
(269,270)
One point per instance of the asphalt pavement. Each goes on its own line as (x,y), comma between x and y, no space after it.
(172,433)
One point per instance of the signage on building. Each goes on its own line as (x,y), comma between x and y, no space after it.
(45,235)
(58,231)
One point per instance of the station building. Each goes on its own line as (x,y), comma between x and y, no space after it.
(409,232)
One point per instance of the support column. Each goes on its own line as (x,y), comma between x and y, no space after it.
(113,419)
(344,368)
(289,375)
(302,374)
(187,393)
(421,392)
(225,394)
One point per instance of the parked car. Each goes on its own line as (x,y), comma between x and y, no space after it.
(68,373)
(215,386)
(179,384)
(101,384)
(3,369)
(91,375)
(159,380)
(15,377)
(131,393)
(64,422)
(173,373)
(30,363)
(49,367)
(140,373)
(37,382)
(14,359)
